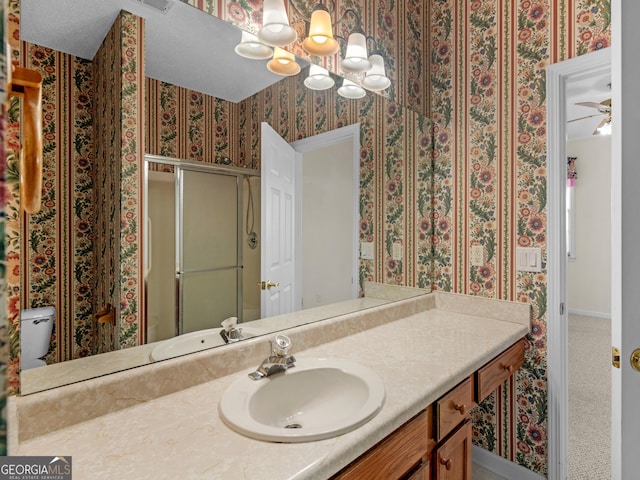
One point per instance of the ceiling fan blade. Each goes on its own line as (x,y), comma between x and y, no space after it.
(590,104)
(588,116)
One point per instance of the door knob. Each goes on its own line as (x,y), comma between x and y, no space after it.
(635,359)
(267,285)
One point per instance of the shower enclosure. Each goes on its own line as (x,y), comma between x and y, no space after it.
(201,246)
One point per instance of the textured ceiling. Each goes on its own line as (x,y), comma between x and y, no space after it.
(185,46)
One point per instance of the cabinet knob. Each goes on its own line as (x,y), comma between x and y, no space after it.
(446,462)
(461,408)
(508,368)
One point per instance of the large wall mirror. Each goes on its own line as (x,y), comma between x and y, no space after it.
(204,110)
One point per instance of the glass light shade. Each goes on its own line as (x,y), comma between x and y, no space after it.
(276,30)
(283,63)
(319,78)
(605,129)
(376,78)
(351,90)
(251,47)
(356,60)
(320,40)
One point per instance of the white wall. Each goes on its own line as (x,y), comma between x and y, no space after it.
(589,276)
(327,225)
(161,278)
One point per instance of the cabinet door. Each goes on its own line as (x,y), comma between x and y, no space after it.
(422,473)
(453,457)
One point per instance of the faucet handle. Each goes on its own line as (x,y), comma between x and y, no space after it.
(280,346)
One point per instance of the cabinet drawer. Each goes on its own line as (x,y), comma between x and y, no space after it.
(397,454)
(496,372)
(453,408)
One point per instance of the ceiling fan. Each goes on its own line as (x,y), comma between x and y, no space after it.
(604,108)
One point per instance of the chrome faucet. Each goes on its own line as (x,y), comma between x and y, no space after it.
(278,361)
(229,332)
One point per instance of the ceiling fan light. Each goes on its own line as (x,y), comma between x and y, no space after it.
(351,90)
(356,59)
(320,40)
(376,78)
(319,78)
(276,30)
(283,63)
(605,129)
(251,47)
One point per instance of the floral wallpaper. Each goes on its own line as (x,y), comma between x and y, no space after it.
(119,66)
(182,123)
(475,70)
(487,70)
(4,324)
(50,255)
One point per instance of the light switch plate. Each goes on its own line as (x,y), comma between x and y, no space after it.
(396,251)
(528,259)
(366,250)
(477,255)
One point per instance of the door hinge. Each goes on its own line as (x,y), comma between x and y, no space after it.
(562,308)
(615,357)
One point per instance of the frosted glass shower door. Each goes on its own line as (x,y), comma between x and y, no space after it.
(209,266)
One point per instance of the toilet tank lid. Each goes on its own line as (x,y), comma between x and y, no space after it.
(34,313)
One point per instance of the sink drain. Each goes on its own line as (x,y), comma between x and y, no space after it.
(293,425)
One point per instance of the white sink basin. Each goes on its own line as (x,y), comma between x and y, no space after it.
(316,399)
(195,341)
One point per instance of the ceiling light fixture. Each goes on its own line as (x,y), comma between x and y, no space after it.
(605,129)
(351,90)
(319,78)
(356,59)
(251,47)
(283,63)
(276,30)
(320,40)
(376,78)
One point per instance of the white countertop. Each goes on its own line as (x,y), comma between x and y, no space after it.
(180,435)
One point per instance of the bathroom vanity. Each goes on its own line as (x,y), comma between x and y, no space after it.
(437,354)
(436,443)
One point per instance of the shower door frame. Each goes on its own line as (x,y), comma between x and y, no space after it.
(194,166)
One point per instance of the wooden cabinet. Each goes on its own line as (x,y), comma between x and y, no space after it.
(496,372)
(400,454)
(453,407)
(452,459)
(436,443)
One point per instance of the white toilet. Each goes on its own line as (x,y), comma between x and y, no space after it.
(36,325)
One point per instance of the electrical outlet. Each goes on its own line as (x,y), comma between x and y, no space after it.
(477,255)
(396,251)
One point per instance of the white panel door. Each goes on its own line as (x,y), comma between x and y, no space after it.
(625,255)
(278,224)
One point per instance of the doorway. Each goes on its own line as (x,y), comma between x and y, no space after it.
(558,77)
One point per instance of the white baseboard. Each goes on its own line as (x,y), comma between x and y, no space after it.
(587,313)
(501,466)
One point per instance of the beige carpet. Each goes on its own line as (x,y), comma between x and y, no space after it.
(589,401)
(589,398)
